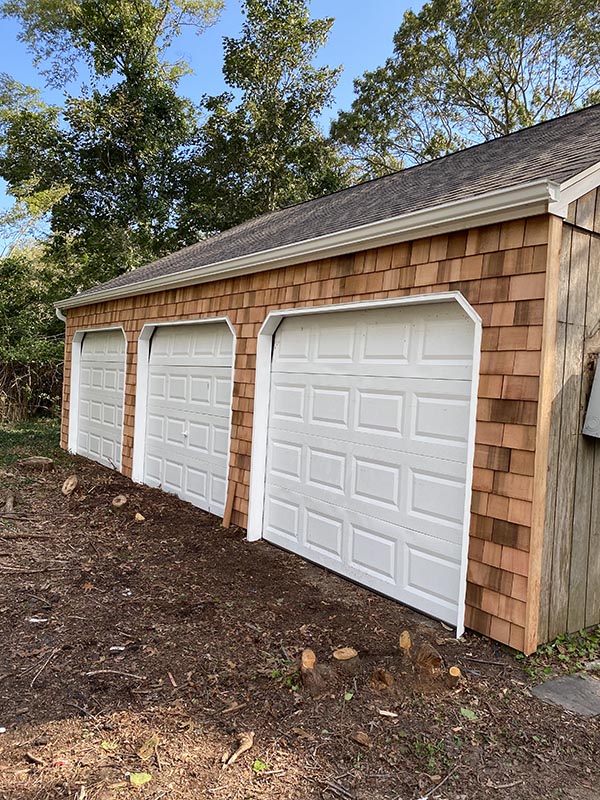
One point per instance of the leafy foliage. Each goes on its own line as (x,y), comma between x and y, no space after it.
(463,71)
(129,38)
(120,147)
(265,150)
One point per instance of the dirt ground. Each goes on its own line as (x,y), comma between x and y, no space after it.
(131,649)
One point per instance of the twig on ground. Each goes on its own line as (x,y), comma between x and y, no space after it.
(44,665)
(504,785)
(437,786)
(114,672)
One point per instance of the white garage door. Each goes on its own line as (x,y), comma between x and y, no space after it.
(367,450)
(101,389)
(188,412)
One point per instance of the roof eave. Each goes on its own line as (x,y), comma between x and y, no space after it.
(498,206)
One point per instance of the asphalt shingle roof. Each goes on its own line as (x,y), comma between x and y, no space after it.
(554,150)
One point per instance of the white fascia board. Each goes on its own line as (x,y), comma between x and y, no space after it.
(520,201)
(573,189)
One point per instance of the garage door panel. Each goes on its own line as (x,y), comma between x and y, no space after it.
(368,446)
(359,343)
(207,345)
(100,407)
(424,417)
(189,407)
(422,492)
(415,569)
(195,389)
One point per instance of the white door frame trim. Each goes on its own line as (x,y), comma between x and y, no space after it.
(141,392)
(76,346)
(260,425)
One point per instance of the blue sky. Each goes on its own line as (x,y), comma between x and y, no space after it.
(361,39)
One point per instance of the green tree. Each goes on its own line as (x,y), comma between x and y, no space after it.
(261,147)
(464,71)
(121,146)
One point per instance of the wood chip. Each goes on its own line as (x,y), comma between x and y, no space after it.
(246,741)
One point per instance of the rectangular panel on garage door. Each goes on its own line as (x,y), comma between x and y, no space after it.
(367,447)
(101,388)
(189,411)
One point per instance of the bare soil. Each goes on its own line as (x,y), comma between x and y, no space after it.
(176,634)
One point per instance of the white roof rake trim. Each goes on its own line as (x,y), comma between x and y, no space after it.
(528,199)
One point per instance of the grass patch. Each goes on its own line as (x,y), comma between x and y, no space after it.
(38,437)
(569,653)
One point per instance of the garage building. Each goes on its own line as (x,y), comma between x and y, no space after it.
(391,381)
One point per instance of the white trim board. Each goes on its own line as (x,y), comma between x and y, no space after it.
(77,343)
(516,202)
(141,393)
(260,427)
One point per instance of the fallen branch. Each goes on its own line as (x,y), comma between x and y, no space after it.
(24,535)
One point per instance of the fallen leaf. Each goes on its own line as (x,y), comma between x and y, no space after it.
(109,746)
(146,750)
(468,714)
(302,734)
(348,696)
(139,517)
(385,713)
(139,778)
(362,738)
(259,766)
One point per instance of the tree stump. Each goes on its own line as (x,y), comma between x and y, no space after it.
(428,659)
(70,485)
(310,674)
(119,502)
(36,464)
(347,660)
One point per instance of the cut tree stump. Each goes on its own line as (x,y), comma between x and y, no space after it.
(119,502)
(381,679)
(428,659)
(311,673)
(70,485)
(454,676)
(347,660)
(36,464)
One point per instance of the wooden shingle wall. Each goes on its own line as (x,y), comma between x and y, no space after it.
(500,269)
(570,596)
